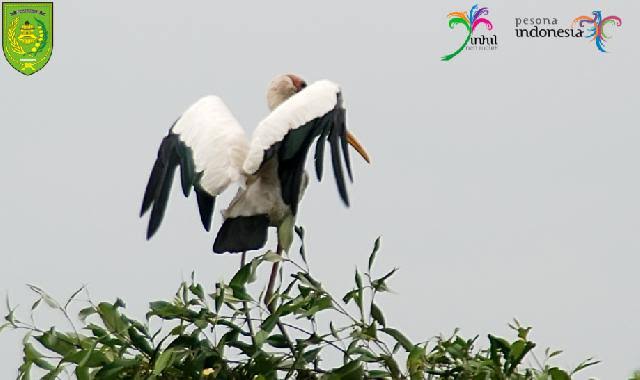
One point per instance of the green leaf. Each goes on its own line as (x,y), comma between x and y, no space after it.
(519,349)
(358,279)
(350,371)
(311,355)
(392,366)
(416,362)
(558,374)
(370,332)
(307,280)
(111,318)
(167,310)
(260,337)
(241,294)
(366,355)
(219,296)
(247,349)
(56,342)
(349,296)
(372,257)
(378,374)
(139,341)
(82,373)
(380,284)
(360,294)
(241,277)
(377,315)
(97,331)
(32,355)
(555,353)
(163,361)
(498,346)
(87,358)
(587,363)
(333,330)
(197,290)
(272,257)
(201,323)
(11,318)
(25,371)
(35,304)
(52,303)
(53,374)
(318,304)
(285,233)
(277,341)
(86,312)
(118,367)
(73,296)
(399,337)
(270,322)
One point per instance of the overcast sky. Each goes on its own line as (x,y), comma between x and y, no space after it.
(504,184)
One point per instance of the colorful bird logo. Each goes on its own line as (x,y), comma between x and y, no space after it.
(471,22)
(596,31)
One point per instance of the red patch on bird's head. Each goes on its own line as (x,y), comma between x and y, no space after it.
(298,82)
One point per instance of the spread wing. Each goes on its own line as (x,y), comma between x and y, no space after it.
(209,146)
(314,114)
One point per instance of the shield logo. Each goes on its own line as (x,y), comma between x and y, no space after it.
(27,35)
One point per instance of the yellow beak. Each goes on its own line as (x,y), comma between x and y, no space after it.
(351,139)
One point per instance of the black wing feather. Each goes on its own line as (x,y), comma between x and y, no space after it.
(187,169)
(171,154)
(343,141)
(206,202)
(291,170)
(292,153)
(319,156)
(157,174)
(168,161)
(334,143)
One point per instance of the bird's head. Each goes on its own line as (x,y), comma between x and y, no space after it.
(282,88)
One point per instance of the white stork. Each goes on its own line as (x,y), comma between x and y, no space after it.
(212,151)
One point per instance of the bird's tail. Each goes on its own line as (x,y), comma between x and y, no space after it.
(241,234)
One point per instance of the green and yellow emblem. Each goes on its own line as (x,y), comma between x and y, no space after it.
(27,35)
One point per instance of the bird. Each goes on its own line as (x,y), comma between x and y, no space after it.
(212,151)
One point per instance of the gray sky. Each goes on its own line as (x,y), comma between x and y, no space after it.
(504,183)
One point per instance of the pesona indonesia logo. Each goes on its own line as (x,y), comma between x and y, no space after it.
(596,27)
(472,21)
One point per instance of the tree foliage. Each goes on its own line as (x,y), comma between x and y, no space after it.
(227,333)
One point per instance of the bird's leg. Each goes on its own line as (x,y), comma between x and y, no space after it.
(245,305)
(272,281)
(285,238)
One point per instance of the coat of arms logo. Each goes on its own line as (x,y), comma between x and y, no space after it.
(27,35)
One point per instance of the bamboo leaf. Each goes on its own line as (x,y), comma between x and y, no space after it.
(399,337)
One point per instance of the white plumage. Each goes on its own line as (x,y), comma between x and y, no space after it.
(217,140)
(315,101)
(211,149)
(220,147)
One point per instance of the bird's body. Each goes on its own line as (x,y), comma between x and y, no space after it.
(212,151)
(262,194)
